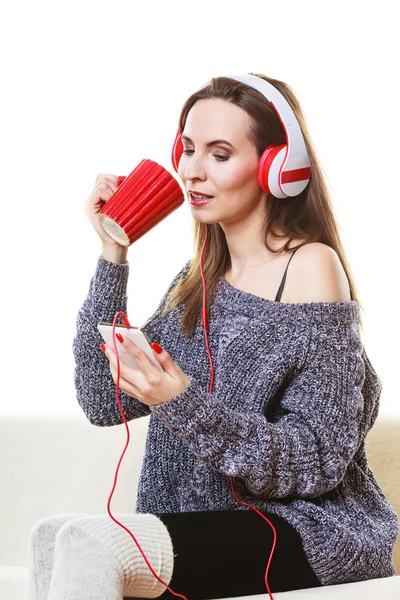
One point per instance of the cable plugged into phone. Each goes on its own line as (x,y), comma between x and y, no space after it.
(124,320)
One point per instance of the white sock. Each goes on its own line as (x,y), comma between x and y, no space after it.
(42,540)
(95,559)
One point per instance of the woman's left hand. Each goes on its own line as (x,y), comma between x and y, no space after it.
(148,384)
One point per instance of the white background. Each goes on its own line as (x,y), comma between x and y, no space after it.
(96,87)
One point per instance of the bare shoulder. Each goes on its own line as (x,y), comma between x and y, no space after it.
(317,275)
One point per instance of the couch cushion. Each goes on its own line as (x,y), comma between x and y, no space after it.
(387,588)
(13,583)
(14,586)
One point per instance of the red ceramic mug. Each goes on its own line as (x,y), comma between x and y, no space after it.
(143,199)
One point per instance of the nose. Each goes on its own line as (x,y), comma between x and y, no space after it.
(194,167)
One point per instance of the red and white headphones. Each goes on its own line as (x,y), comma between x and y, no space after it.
(284,170)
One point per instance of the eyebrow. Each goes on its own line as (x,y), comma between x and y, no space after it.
(213,143)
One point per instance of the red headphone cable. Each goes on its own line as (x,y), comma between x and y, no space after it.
(204,325)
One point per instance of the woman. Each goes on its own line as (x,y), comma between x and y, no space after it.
(293,398)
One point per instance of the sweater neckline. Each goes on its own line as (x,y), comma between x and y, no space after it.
(233,299)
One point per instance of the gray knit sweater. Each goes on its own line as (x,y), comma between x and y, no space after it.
(294,396)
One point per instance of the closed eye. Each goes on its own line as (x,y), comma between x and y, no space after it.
(219,157)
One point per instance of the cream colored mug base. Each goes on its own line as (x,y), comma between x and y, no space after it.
(114,230)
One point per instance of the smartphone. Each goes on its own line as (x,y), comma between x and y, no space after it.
(138,337)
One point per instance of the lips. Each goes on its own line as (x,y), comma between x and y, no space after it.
(197,202)
(199,193)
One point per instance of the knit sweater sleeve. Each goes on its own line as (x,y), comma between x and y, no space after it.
(306,450)
(94,385)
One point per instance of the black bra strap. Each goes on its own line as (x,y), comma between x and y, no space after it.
(282,285)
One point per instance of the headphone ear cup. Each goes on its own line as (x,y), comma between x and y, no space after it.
(269,169)
(177,150)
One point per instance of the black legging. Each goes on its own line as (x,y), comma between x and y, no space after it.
(219,554)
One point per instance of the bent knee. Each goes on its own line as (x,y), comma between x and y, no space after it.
(48,527)
(94,528)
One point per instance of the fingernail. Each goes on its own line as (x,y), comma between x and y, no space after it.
(102,346)
(119,337)
(156,347)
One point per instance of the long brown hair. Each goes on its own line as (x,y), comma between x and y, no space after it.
(309,217)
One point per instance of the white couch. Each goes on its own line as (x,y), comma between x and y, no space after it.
(52,465)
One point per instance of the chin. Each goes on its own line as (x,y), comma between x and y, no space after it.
(205,220)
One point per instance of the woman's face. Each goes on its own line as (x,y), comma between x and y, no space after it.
(227,171)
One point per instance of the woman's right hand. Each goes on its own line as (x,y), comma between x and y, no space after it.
(106,185)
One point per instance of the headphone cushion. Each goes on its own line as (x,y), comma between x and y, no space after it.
(177,150)
(264,168)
